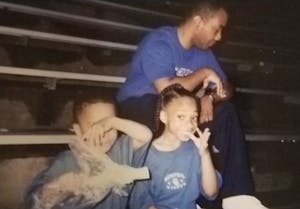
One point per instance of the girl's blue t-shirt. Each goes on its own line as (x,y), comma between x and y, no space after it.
(175,179)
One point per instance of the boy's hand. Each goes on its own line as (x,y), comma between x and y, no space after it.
(201,142)
(97,132)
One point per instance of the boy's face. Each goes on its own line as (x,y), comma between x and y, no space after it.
(180,117)
(96,112)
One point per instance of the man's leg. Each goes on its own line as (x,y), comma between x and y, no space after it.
(229,146)
(230,155)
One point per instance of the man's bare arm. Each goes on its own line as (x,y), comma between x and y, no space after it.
(191,81)
(210,98)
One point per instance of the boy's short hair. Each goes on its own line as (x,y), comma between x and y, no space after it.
(84,99)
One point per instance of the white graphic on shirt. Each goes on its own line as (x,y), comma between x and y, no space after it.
(175,181)
(181,71)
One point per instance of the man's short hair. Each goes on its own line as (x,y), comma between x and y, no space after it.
(204,8)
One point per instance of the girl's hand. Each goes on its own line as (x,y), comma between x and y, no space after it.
(201,142)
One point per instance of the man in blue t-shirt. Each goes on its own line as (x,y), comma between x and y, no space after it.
(182,55)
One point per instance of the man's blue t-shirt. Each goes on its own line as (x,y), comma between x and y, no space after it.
(161,55)
(175,179)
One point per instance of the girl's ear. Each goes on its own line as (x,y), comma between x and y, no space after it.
(163,116)
(77,129)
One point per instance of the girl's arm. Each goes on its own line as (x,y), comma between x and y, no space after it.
(209,177)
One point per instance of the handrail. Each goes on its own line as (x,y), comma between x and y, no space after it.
(4,30)
(131,8)
(59,74)
(96,21)
(64,38)
(264,92)
(23,139)
(113,79)
(155,13)
(70,17)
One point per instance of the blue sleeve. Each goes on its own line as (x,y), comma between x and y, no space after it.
(214,64)
(141,197)
(63,163)
(156,60)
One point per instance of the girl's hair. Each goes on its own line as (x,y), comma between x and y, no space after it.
(167,95)
(84,100)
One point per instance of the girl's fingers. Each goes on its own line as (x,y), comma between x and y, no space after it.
(203,136)
(193,137)
(199,132)
(206,134)
(196,140)
(206,130)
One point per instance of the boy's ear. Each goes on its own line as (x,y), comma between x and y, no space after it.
(163,117)
(76,129)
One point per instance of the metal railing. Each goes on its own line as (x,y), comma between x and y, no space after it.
(100,22)
(31,138)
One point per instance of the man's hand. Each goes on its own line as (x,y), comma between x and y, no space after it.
(206,113)
(202,76)
(212,77)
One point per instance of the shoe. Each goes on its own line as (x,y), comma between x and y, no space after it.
(242,202)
